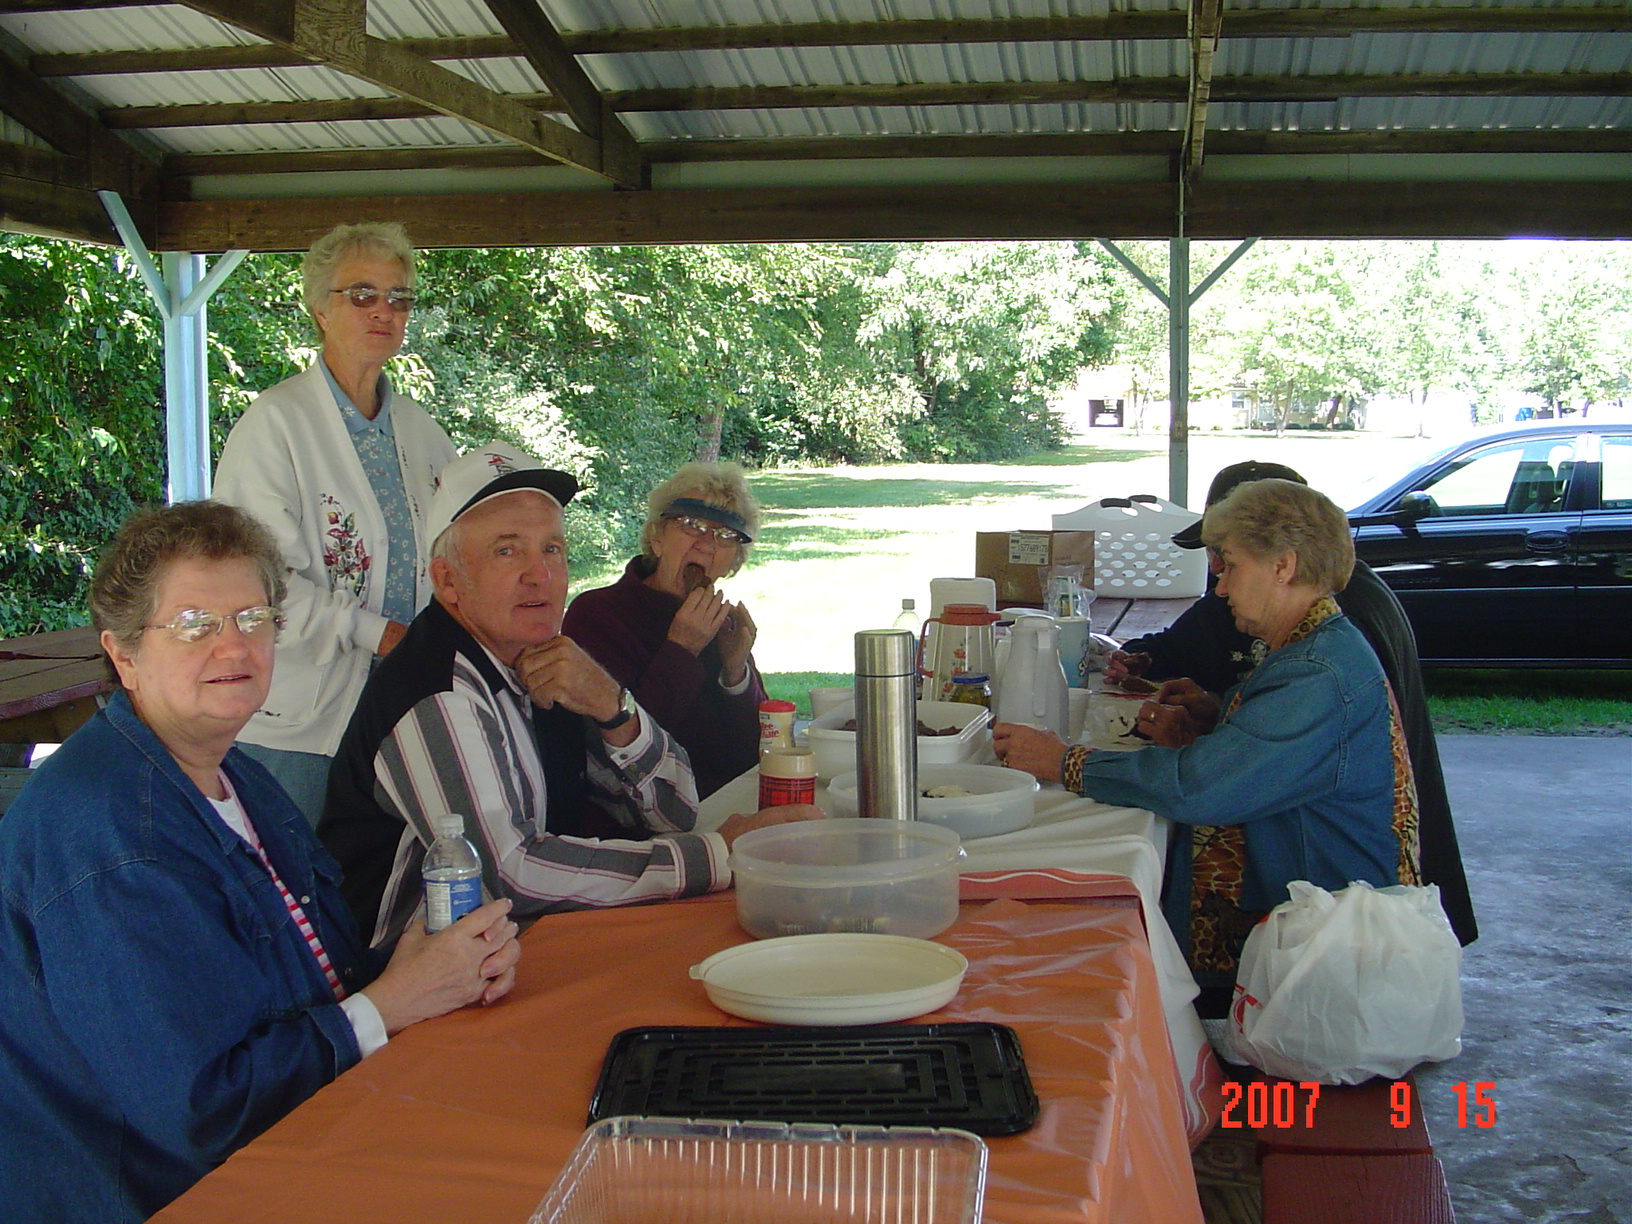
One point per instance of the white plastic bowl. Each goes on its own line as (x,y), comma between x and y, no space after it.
(1002,801)
(832,979)
(887,877)
(835,750)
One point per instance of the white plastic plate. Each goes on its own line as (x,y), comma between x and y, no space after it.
(832,979)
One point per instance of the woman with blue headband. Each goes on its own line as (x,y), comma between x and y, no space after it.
(670,636)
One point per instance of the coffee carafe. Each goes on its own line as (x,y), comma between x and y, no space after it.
(962,645)
(1033,689)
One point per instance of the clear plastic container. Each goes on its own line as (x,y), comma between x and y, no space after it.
(672,1171)
(885,877)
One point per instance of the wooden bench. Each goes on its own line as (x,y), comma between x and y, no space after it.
(1340,1154)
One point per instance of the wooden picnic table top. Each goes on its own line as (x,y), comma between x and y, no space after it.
(49,681)
(1131,618)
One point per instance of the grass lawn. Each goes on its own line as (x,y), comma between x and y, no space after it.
(841,547)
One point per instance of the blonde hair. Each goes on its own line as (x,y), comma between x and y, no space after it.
(386,239)
(1268,518)
(719,484)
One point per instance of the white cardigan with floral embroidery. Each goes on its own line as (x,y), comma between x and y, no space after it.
(290,462)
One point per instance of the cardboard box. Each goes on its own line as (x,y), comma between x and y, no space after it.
(1013,559)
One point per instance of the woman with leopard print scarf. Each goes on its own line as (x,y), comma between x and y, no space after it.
(1298,773)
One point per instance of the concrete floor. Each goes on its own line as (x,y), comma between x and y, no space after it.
(1546,831)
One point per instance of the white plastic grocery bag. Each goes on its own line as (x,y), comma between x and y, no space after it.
(1337,988)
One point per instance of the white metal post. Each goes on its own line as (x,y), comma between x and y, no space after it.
(181,294)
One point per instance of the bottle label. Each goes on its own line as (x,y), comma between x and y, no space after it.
(447,901)
(779,792)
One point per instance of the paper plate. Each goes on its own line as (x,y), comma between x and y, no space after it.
(832,979)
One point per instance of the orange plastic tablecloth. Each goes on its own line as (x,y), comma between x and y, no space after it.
(470,1117)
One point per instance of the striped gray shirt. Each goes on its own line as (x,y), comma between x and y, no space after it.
(471,751)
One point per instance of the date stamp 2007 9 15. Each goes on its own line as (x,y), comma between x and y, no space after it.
(1263,1104)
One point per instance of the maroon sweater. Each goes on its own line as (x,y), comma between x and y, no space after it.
(625,628)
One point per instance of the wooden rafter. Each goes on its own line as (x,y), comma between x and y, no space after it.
(1292,209)
(562,75)
(332,32)
(1127,89)
(1067,144)
(1260,23)
(1205,17)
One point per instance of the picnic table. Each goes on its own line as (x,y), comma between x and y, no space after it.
(50,684)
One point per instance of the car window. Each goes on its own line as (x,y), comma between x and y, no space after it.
(1525,477)
(1617,494)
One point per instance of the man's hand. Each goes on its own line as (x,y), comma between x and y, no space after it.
(559,673)
(736,638)
(1180,713)
(699,618)
(735,826)
(1039,753)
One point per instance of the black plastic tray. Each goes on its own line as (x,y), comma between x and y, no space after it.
(971,1076)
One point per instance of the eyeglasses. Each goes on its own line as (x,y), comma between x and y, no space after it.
(364,296)
(195,624)
(700,527)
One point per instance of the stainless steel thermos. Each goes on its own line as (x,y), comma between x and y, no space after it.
(887,723)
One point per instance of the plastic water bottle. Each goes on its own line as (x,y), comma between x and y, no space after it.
(452,873)
(908,619)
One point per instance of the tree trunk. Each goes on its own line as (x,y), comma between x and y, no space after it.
(708,440)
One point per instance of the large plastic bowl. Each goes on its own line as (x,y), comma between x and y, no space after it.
(889,877)
(835,749)
(1001,799)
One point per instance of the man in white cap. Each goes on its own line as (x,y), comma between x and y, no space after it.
(572,795)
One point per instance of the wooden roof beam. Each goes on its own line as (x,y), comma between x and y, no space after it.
(1205,19)
(1251,23)
(542,47)
(332,32)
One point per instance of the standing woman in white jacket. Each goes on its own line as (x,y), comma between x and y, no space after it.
(341,467)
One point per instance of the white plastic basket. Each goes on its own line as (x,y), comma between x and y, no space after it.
(1134,553)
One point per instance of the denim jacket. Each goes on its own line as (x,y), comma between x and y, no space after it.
(158,1008)
(1304,763)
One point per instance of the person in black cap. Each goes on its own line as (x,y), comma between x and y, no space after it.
(573,795)
(667,632)
(1204,645)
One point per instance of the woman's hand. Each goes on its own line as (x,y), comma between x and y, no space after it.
(736,639)
(1039,753)
(474,960)
(1122,664)
(1180,713)
(699,618)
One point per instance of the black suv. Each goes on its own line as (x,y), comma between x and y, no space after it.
(1512,548)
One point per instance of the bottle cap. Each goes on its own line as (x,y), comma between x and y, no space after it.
(449,824)
(787,763)
(886,652)
(773,706)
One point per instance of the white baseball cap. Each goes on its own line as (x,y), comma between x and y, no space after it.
(488,471)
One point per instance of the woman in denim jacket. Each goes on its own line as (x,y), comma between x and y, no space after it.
(1300,773)
(177,966)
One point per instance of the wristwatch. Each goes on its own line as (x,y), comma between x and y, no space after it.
(626,711)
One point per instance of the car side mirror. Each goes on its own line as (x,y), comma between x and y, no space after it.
(1413,507)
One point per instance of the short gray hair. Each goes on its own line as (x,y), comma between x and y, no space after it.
(386,239)
(719,484)
(124,588)
(1267,518)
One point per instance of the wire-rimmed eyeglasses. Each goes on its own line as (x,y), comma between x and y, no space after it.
(364,296)
(195,624)
(702,527)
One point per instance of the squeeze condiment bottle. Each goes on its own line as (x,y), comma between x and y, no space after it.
(786,775)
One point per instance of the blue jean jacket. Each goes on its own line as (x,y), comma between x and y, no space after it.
(1304,764)
(158,1008)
